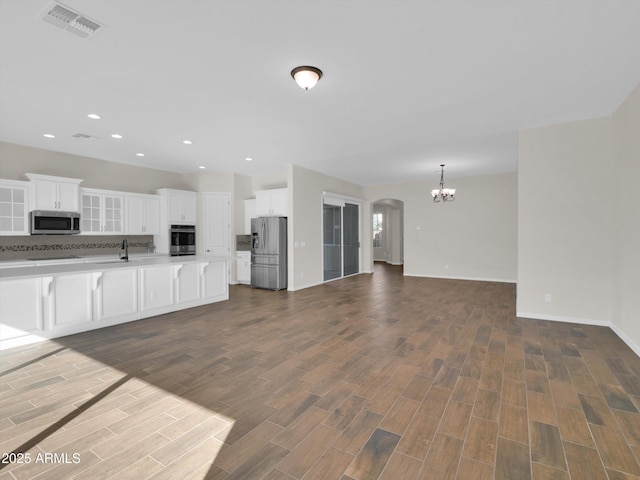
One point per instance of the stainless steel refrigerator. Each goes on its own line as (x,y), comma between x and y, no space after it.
(269,253)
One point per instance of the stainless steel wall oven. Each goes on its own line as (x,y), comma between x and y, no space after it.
(182,240)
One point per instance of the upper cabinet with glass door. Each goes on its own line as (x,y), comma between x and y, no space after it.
(102,212)
(14,207)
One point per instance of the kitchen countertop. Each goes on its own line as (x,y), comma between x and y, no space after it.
(40,268)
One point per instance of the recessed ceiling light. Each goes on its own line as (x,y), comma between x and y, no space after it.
(187,142)
(94,116)
(117,135)
(248,159)
(48,135)
(139,154)
(202,167)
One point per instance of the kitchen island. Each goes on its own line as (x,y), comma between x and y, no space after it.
(41,300)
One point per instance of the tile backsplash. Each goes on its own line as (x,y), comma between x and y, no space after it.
(41,247)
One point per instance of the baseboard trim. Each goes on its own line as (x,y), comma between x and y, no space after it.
(473,279)
(585,321)
(625,338)
(561,318)
(302,287)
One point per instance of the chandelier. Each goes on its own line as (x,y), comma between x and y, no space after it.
(444,194)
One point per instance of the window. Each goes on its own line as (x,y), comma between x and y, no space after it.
(377,230)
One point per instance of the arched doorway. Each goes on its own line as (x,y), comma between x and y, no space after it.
(387,231)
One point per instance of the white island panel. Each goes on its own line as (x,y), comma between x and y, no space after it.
(117,295)
(72,301)
(214,281)
(157,290)
(188,283)
(20,310)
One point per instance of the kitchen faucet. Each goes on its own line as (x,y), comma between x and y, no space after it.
(125,247)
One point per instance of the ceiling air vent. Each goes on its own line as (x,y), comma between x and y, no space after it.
(84,136)
(71,20)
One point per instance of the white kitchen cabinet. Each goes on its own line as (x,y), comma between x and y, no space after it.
(181,206)
(54,193)
(116,295)
(20,309)
(214,280)
(71,302)
(143,214)
(188,282)
(243,267)
(249,213)
(14,207)
(156,289)
(272,203)
(102,212)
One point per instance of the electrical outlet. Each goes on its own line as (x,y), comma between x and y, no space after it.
(547,297)
(446,267)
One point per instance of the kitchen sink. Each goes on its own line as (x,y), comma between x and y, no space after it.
(131,260)
(117,261)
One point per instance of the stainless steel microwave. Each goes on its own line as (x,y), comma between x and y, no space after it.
(54,222)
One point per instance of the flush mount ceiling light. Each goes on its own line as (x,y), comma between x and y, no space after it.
(49,135)
(306,77)
(187,142)
(116,136)
(94,116)
(444,194)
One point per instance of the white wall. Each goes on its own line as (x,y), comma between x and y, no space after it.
(305,223)
(579,221)
(626,164)
(474,236)
(565,241)
(270,181)
(16,160)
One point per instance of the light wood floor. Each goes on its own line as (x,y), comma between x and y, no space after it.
(370,377)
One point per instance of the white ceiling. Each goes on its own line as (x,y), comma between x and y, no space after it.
(407,84)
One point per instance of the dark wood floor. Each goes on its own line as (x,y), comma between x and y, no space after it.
(370,377)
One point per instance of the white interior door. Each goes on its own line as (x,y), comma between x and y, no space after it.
(217,223)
